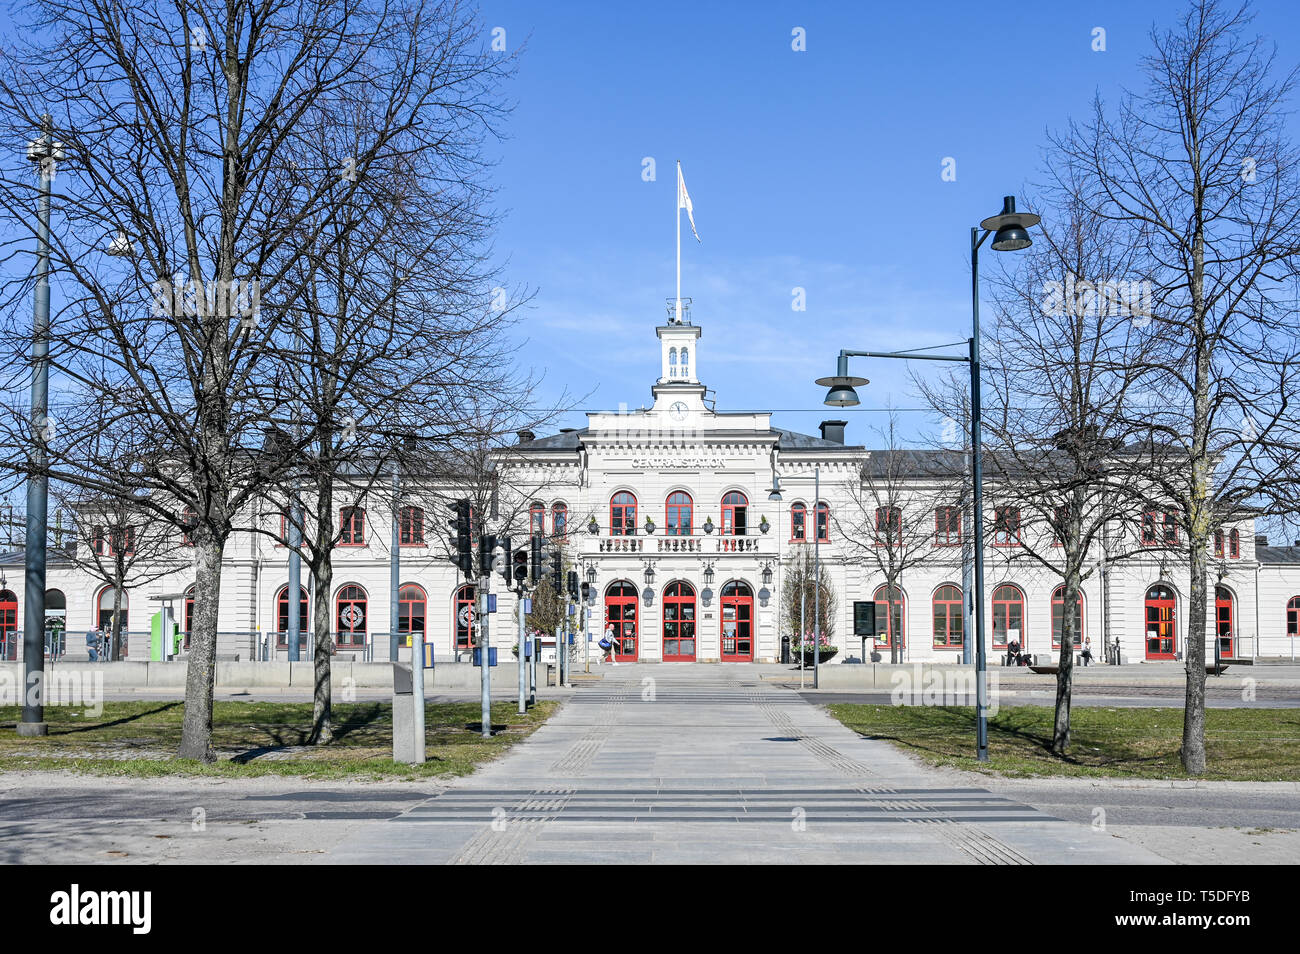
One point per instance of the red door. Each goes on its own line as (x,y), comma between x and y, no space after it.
(1161,632)
(8,625)
(620,613)
(1223,628)
(737,623)
(679,622)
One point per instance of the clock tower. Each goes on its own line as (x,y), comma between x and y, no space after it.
(678,392)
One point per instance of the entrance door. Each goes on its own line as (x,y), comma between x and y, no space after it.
(679,622)
(737,623)
(620,612)
(1161,635)
(8,625)
(1223,622)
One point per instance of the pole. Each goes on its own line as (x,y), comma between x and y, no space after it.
(803,605)
(33,721)
(523,652)
(294,595)
(395,581)
(977,505)
(677,219)
(967,553)
(817,574)
(484,655)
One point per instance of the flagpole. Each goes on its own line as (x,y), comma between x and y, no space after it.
(677,214)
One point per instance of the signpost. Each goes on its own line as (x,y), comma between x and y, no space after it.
(864,623)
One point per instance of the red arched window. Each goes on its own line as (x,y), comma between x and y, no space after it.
(1008,616)
(188,521)
(1234,544)
(1161,623)
(282,616)
(1224,628)
(737,622)
(622,514)
(411,529)
(823,523)
(464,610)
(677,517)
(351,606)
(1218,544)
(679,622)
(559,519)
(892,603)
(735,510)
(621,619)
(352,527)
(8,625)
(411,605)
(1293,616)
(947,617)
(1058,617)
(536,517)
(798,523)
(187,620)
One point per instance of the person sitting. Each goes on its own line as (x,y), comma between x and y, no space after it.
(1013,653)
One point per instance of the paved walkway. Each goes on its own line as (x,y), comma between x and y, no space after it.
(707,764)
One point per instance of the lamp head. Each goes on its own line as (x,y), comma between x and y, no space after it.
(1010,229)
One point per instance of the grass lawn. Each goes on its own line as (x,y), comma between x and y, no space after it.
(1243,744)
(262,738)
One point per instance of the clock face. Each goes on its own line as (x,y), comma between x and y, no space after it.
(678,411)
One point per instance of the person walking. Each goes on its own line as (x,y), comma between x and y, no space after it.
(1086,655)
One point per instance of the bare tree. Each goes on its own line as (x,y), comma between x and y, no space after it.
(803,602)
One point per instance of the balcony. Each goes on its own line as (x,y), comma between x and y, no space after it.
(658,542)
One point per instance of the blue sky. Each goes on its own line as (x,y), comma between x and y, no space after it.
(817,169)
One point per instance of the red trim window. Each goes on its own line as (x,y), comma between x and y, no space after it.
(947,526)
(8,625)
(894,626)
(621,617)
(823,523)
(1058,617)
(104,618)
(1006,527)
(735,514)
(1218,544)
(188,626)
(798,523)
(889,526)
(101,544)
(1223,622)
(351,607)
(677,514)
(1008,616)
(1161,623)
(352,526)
(464,610)
(1159,528)
(282,616)
(411,532)
(559,519)
(411,607)
(537,518)
(1234,545)
(188,520)
(948,617)
(737,622)
(121,540)
(622,514)
(1293,616)
(679,622)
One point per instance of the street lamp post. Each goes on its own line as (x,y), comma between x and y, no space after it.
(775,495)
(45,152)
(1009,230)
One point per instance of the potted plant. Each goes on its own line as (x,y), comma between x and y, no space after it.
(649,525)
(763,525)
(804,646)
(592,526)
(708,524)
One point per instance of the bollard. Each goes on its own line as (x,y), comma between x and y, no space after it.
(408,743)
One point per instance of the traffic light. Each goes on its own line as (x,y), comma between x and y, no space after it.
(504,566)
(535,563)
(464,552)
(520,559)
(557,573)
(487,544)
(573,585)
(586,592)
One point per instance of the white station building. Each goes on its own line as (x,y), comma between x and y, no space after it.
(665,511)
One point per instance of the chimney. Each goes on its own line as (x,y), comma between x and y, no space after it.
(1261,540)
(833,431)
(525,437)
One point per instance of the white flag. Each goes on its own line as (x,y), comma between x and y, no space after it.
(684,201)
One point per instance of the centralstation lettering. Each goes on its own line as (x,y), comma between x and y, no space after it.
(688,463)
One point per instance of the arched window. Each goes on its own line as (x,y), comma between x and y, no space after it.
(559,519)
(537,517)
(352,526)
(823,523)
(686,362)
(947,617)
(464,610)
(104,607)
(892,603)
(411,604)
(622,514)
(672,362)
(1234,545)
(187,615)
(621,619)
(282,616)
(411,532)
(8,625)
(735,510)
(189,519)
(56,623)
(737,622)
(1218,544)
(1161,623)
(350,620)
(798,523)
(1293,616)
(1008,616)
(677,518)
(679,622)
(1224,622)
(1058,617)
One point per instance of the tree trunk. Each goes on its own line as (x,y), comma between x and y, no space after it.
(115,637)
(196,729)
(1065,664)
(322,717)
(1193,750)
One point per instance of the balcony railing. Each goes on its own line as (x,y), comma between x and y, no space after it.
(661,542)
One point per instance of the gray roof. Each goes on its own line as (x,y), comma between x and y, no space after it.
(1267,555)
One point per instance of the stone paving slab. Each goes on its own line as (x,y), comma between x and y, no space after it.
(710,765)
